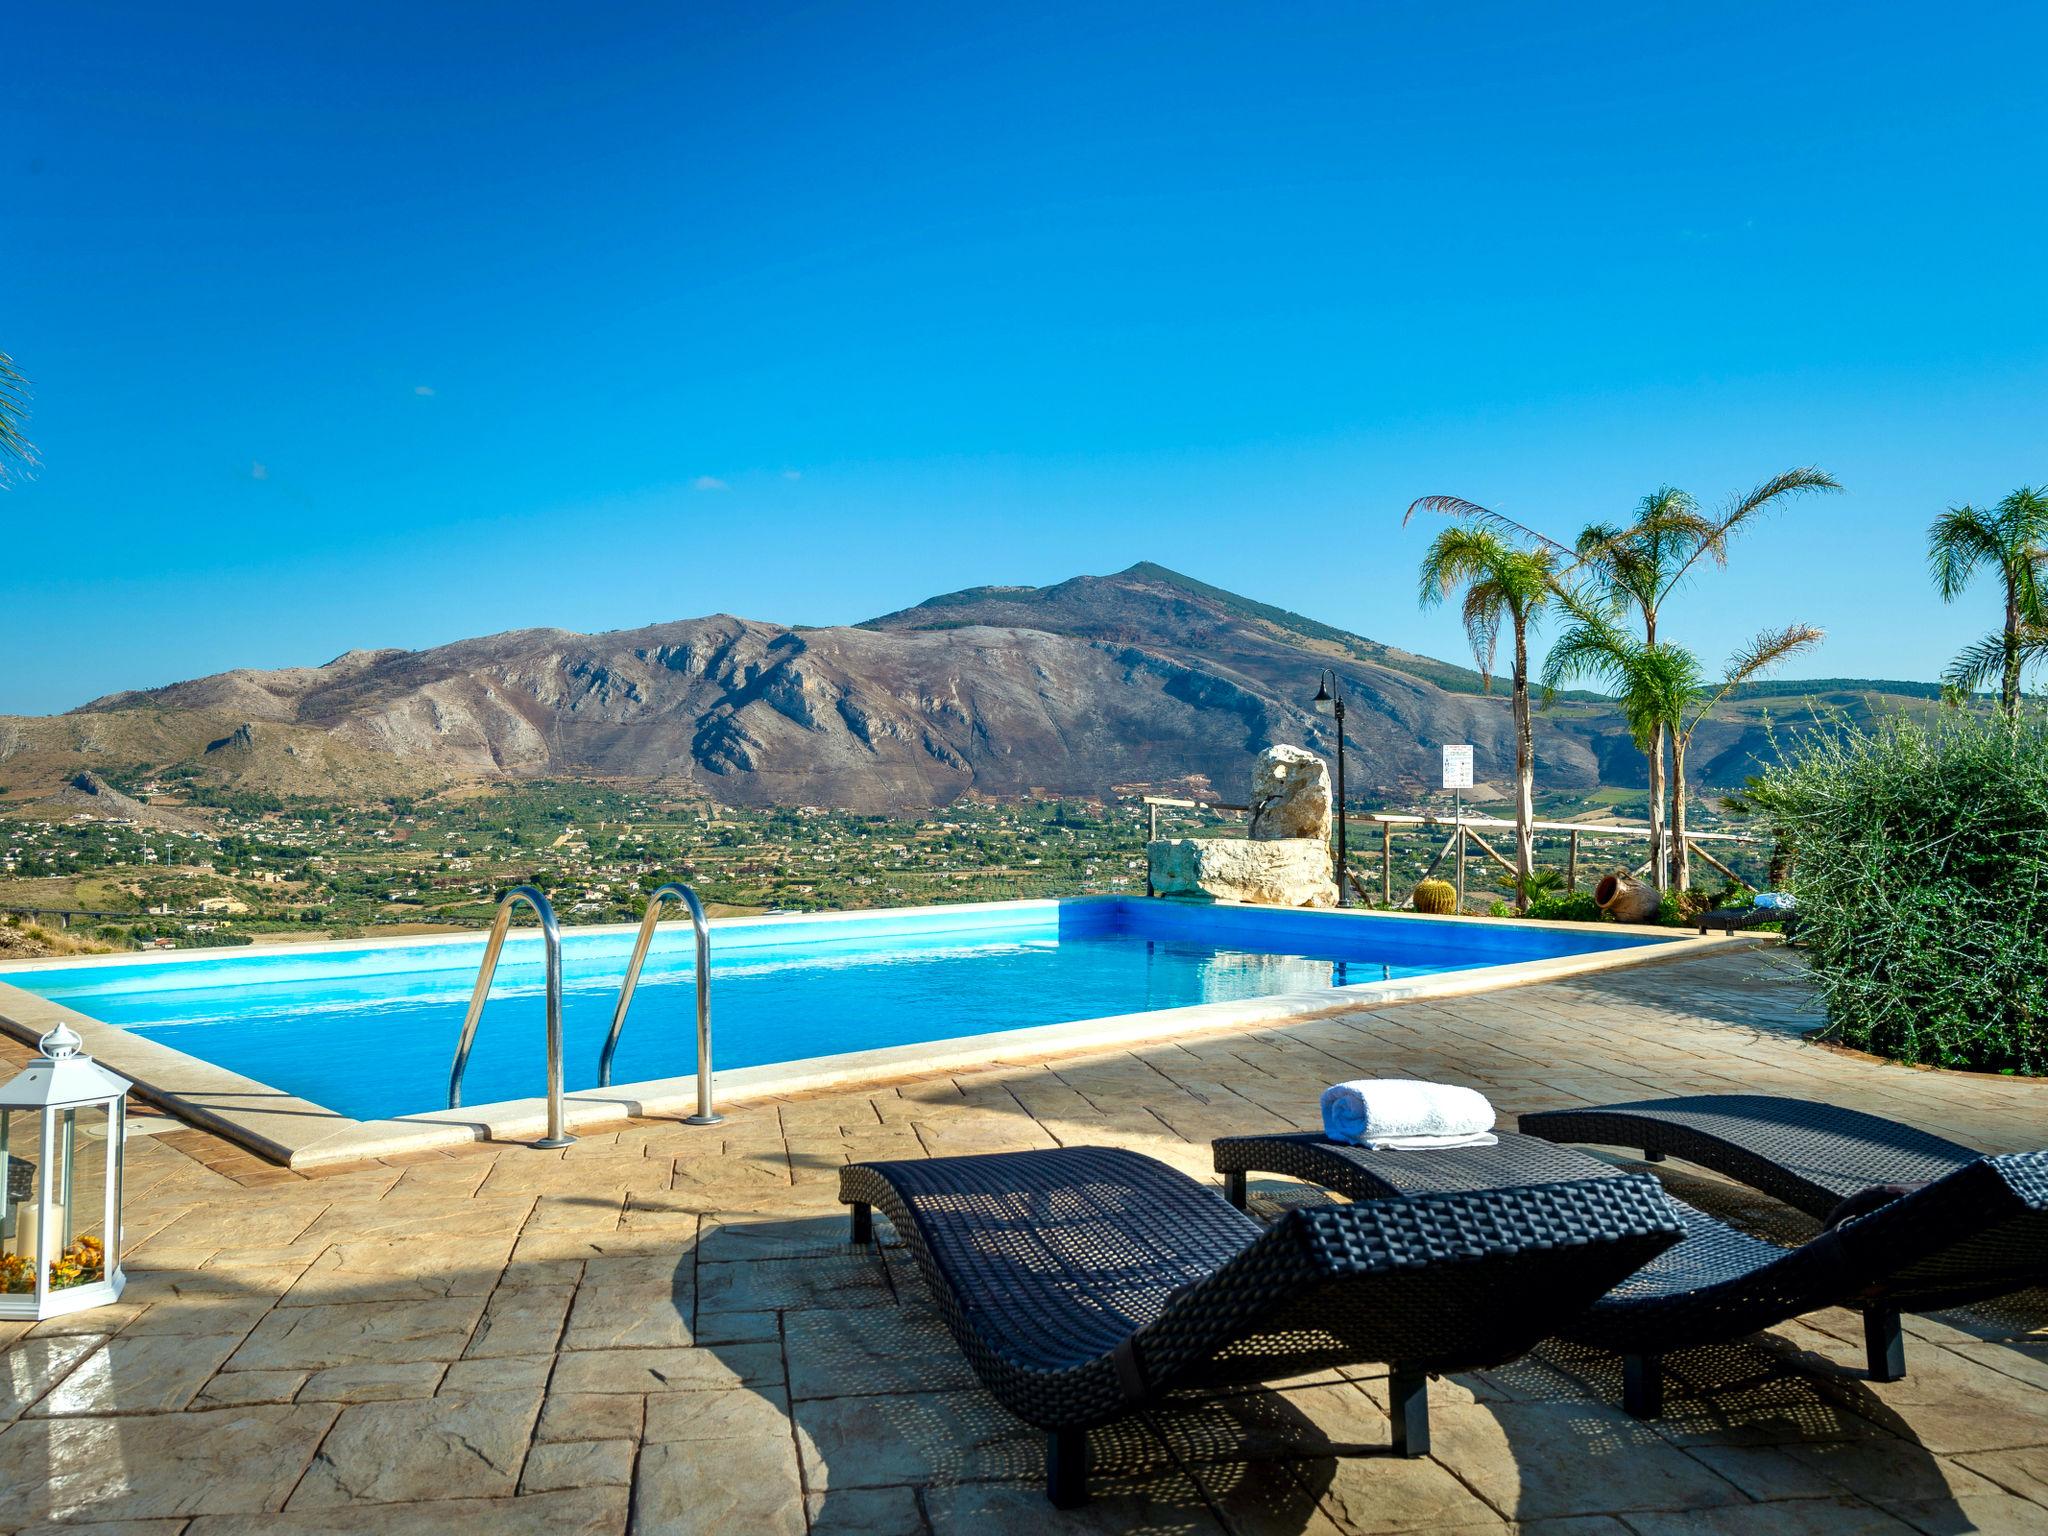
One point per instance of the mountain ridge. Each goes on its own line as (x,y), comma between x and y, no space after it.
(1145,676)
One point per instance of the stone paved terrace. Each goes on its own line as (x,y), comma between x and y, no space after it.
(660,1328)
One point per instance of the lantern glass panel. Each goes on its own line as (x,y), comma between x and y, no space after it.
(20,1199)
(77,1251)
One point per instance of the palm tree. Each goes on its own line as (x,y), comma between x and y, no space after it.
(2009,539)
(13,410)
(1649,680)
(1641,564)
(1638,566)
(1644,563)
(1501,581)
(1660,688)
(1752,661)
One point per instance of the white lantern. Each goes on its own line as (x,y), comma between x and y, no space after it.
(61,1145)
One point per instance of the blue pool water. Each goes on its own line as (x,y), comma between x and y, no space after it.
(369,1030)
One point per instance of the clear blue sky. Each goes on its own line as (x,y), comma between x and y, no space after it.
(390,324)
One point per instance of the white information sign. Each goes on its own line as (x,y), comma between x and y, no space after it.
(1457,767)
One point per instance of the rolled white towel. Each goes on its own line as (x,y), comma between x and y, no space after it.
(1775,901)
(1381,1112)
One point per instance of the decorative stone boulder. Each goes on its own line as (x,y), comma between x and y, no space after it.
(1290,795)
(1282,872)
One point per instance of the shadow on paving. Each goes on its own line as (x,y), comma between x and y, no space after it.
(739,1329)
(1542,1438)
(1764,990)
(755,1372)
(882,1399)
(2015,1322)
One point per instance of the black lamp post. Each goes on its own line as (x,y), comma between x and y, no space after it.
(1329,700)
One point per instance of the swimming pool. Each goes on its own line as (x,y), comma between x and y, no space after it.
(367,1029)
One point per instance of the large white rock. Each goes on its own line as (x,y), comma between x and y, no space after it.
(1290,795)
(1280,872)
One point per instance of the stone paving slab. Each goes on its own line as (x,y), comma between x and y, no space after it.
(662,1327)
(139,1373)
(218,1461)
(412,1451)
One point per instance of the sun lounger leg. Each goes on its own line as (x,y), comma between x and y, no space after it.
(1408,1406)
(1066,1468)
(1233,1189)
(863,1222)
(1653,1157)
(1642,1385)
(1884,1341)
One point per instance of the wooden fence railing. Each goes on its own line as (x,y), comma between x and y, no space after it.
(1465,833)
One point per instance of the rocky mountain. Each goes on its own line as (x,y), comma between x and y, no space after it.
(1145,676)
(93,795)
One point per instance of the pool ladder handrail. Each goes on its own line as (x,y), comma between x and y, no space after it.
(551,939)
(670,891)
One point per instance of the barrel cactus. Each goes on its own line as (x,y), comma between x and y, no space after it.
(1438,896)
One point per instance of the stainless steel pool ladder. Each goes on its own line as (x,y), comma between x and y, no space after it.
(551,938)
(706,1115)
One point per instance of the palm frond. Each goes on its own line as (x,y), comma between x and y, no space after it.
(2022,517)
(1661,681)
(1484,605)
(1528,580)
(1460,556)
(2030,589)
(1603,546)
(1588,602)
(2022,521)
(1959,541)
(1751,660)
(17,453)
(1651,684)
(1669,526)
(1595,538)
(1979,666)
(1455,557)
(1632,562)
(1713,535)
(1767,650)
(1790,482)
(1590,649)
(1495,522)
(1501,581)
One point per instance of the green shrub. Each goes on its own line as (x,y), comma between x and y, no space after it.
(1920,856)
(1578,907)
(1567,907)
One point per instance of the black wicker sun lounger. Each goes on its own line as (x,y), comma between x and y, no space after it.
(1812,1156)
(1735,919)
(1977,1232)
(1084,1282)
